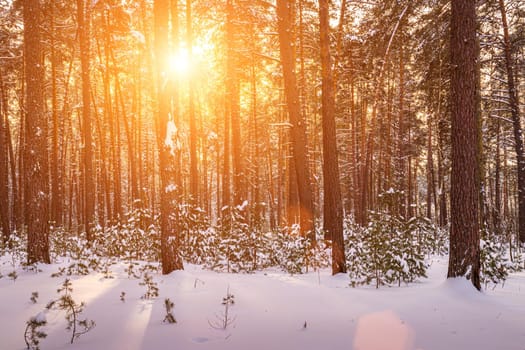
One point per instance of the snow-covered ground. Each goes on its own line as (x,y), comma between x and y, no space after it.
(272,310)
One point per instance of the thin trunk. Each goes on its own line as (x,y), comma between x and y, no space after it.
(89,184)
(496,213)
(5,202)
(194,173)
(333,208)
(516,123)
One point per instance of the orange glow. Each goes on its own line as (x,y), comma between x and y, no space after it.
(179,63)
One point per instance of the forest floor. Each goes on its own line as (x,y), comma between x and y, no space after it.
(271,310)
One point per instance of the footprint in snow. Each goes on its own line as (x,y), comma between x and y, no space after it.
(200,340)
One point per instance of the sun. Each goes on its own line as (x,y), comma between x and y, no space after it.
(179,62)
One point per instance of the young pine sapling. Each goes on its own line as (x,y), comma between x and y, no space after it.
(73,310)
(223,320)
(152,290)
(169,305)
(32,333)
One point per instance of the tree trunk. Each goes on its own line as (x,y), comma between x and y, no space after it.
(298,129)
(56,188)
(170,239)
(464,259)
(89,189)
(516,124)
(194,172)
(333,208)
(5,203)
(36,185)
(233,95)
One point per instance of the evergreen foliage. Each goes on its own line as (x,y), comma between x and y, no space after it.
(152,289)
(73,310)
(32,333)
(496,264)
(389,250)
(169,305)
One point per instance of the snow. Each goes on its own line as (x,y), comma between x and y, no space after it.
(40,317)
(171,140)
(272,310)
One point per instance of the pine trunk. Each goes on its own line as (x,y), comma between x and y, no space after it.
(464,259)
(5,203)
(36,185)
(516,123)
(89,192)
(333,208)
(170,239)
(298,129)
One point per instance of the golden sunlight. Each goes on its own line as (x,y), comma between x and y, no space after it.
(179,62)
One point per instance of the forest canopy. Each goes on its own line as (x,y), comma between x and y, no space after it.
(255,116)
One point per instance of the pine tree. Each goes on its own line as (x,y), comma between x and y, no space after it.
(464,257)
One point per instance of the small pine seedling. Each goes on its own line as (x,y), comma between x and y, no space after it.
(61,271)
(34,297)
(73,310)
(32,333)
(169,305)
(152,290)
(224,319)
(13,275)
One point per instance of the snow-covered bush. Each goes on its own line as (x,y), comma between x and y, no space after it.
(498,258)
(494,264)
(33,334)
(235,246)
(388,251)
(135,238)
(15,251)
(76,249)
(296,254)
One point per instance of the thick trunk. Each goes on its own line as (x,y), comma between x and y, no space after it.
(169,237)
(36,186)
(56,188)
(464,257)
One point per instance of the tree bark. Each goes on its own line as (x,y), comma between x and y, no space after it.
(5,203)
(333,208)
(194,172)
(298,128)
(36,170)
(170,239)
(464,259)
(89,189)
(56,188)
(516,123)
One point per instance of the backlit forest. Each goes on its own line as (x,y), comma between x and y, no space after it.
(213,127)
